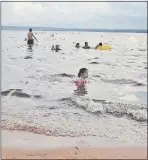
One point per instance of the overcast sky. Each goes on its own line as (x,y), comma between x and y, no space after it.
(105,15)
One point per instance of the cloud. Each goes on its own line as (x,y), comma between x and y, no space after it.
(76,14)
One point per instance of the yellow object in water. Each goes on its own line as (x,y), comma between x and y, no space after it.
(104,47)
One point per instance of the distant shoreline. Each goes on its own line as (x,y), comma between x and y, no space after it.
(17,28)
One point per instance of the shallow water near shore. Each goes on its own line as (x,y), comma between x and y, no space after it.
(38,89)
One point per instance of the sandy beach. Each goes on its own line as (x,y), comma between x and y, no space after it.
(75,153)
(25,145)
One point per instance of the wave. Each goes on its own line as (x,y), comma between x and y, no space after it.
(136,112)
(18,93)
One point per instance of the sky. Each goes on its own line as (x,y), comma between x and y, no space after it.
(92,15)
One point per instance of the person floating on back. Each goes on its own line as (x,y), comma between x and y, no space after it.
(77,45)
(30,37)
(86,46)
(56,48)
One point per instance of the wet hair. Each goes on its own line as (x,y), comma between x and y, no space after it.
(57,46)
(100,44)
(86,43)
(81,71)
(77,44)
(30,29)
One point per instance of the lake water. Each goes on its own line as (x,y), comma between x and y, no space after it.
(38,93)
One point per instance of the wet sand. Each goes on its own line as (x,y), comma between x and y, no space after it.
(26,145)
(76,153)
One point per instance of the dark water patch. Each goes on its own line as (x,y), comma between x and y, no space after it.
(139,84)
(96,100)
(101,73)
(5,93)
(96,58)
(94,63)
(123,81)
(145,67)
(109,64)
(142,50)
(13,58)
(136,55)
(20,94)
(64,75)
(130,62)
(28,57)
(38,96)
(97,76)
(126,65)
(65,99)
(139,66)
(48,107)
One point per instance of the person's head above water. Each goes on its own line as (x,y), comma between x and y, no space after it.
(77,45)
(30,29)
(83,73)
(100,44)
(86,43)
(57,46)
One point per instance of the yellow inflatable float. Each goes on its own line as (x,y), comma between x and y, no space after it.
(104,47)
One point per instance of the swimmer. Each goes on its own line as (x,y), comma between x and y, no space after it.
(77,45)
(100,44)
(30,37)
(83,74)
(86,46)
(56,48)
(52,48)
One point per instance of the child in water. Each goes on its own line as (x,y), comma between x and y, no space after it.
(83,74)
(56,48)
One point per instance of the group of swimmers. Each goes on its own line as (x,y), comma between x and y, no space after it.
(86,46)
(83,72)
(55,48)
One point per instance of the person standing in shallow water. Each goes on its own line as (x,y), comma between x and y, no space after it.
(30,37)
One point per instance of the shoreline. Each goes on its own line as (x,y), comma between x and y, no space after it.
(29,145)
(76,153)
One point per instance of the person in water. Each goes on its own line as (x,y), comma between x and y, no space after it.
(77,45)
(83,74)
(86,46)
(56,48)
(30,37)
(80,83)
(100,44)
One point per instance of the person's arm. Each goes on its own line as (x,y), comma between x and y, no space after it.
(34,37)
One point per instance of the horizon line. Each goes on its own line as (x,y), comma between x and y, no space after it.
(72,28)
